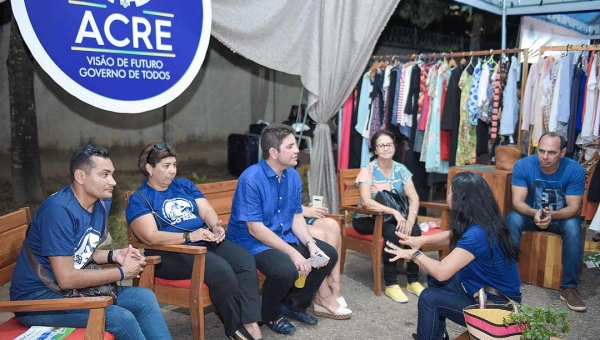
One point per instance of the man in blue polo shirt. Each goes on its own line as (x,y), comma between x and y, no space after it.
(266,218)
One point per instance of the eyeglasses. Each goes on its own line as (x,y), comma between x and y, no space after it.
(385,146)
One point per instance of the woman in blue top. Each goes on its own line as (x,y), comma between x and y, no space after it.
(483,254)
(169,210)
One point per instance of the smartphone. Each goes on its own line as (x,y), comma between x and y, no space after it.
(318,259)
(317,201)
(542,213)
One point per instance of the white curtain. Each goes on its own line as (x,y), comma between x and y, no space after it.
(326,42)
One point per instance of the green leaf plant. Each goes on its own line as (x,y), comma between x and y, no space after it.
(539,323)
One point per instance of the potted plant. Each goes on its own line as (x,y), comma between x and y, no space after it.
(539,323)
(592,260)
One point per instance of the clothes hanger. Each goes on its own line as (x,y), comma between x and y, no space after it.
(373,69)
(463,61)
(452,62)
(491,62)
(470,61)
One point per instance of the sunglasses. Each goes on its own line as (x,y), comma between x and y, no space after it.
(162,145)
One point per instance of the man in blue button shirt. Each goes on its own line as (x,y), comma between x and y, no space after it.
(266,218)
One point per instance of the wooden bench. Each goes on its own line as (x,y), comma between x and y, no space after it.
(13,227)
(192,294)
(372,244)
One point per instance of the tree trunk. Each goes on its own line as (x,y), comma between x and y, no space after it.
(476,30)
(26,172)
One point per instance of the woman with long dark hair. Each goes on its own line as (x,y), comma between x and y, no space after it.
(483,254)
(383,173)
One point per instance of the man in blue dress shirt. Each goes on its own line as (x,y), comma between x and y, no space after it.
(266,218)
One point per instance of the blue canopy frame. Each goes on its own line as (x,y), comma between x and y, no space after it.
(579,15)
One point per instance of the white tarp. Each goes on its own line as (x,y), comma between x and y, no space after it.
(535,33)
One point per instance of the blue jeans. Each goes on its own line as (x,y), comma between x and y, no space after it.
(445,300)
(135,316)
(572,243)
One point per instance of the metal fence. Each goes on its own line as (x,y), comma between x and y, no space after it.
(411,37)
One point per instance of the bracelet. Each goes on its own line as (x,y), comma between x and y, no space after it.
(413,212)
(186,237)
(110,260)
(312,240)
(122,274)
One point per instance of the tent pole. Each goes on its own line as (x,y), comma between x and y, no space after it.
(503,25)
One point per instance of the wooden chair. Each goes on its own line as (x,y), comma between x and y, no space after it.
(13,227)
(372,244)
(192,294)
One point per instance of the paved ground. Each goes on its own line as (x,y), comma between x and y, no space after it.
(380,318)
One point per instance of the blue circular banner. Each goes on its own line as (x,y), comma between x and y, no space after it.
(125,56)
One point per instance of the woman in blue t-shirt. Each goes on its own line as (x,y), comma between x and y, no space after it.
(483,254)
(169,210)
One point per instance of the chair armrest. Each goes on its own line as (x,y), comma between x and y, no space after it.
(153,260)
(174,248)
(441,206)
(354,208)
(336,217)
(56,304)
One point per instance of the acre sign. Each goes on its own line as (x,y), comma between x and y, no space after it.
(118,55)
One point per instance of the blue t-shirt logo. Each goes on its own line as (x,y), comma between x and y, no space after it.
(86,247)
(549,194)
(177,210)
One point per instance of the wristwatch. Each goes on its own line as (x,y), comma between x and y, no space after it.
(186,237)
(416,254)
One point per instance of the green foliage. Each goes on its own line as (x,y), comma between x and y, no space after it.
(421,13)
(539,323)
(593,258)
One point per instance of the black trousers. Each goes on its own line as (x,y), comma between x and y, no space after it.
(281,273)
(366,225)
(230,274)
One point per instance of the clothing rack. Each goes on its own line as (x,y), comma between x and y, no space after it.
(563,48)
(568,48)
(440,55)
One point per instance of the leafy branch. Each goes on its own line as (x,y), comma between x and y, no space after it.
(538,323)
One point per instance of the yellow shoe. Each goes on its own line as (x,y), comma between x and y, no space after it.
(415,288)
(396,294)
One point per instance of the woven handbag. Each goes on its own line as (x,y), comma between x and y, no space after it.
(485,321)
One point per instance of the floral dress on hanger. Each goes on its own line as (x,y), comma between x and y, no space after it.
(466,136)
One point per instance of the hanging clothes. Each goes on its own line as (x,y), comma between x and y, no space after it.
(451,113)
(590,103)
(412,101)
(510,103)
(433,161)
(497,90)
(473,95)
(538,126)
(363,117)
(576,105)
(465,151)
